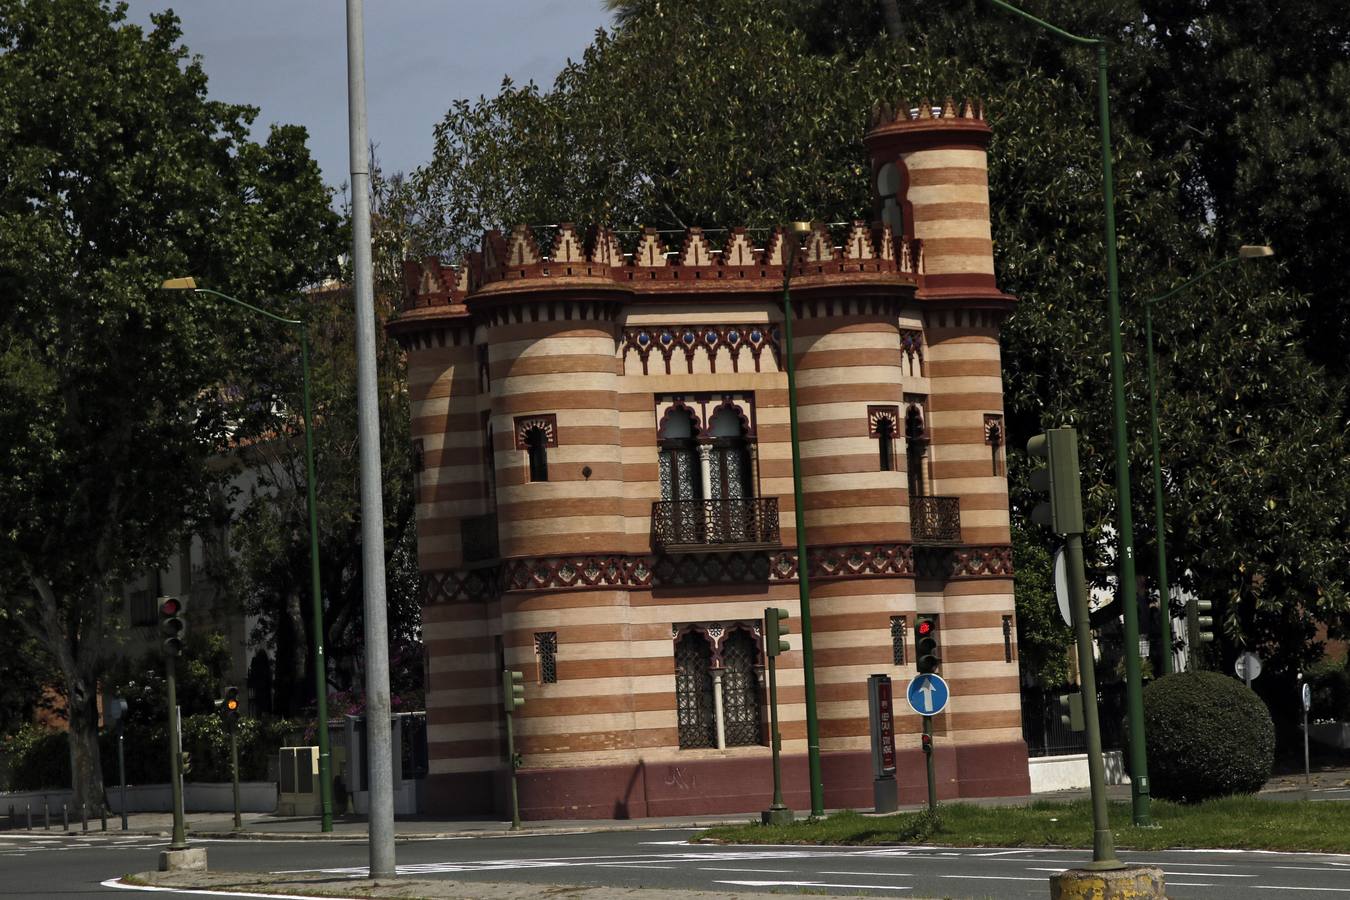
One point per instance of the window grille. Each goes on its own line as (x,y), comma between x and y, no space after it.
(694,693)
(740,690)
(898,629)
(1007,639)
(546,649)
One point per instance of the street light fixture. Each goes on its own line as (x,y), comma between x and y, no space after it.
(1245,252)
(792,237)
(316,598)
(1125,587)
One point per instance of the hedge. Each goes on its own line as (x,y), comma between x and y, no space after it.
(1206,735)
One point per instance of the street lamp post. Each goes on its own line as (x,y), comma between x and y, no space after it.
(316,597)
(1125,588)
(791,238)
(1247,251)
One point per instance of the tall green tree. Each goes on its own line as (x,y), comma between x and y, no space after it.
(120,171)
(728,112)
(270,535)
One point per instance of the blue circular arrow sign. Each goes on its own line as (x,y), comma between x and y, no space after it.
(928,694)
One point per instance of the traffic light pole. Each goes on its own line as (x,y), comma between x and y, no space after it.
(179,840)
(511,758)
(122,770)
(234,775)
(778,812)
(1103,847)
(928,761)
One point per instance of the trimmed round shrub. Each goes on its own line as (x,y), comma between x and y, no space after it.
(1207,736)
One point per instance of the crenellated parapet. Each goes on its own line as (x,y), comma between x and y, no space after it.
(645,263)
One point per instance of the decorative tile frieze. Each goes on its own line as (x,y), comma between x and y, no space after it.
(682,344)
(622,572)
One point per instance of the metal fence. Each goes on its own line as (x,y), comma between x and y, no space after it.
(1046,732)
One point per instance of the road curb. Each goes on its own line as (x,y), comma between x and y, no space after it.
(444,835)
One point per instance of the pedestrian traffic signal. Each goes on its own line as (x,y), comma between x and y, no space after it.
(926,656)
(513,690)
(172,624)
(775,632)
(114,714)
(1062,513)
(228,704)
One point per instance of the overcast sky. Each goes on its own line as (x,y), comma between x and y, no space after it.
(289,58)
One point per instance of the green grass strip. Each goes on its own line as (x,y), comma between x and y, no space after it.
(1247,823)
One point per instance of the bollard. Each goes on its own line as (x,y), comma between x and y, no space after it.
(65,817)
(13,819)
(103,815)
(28,814)
(46,815)
(84,817)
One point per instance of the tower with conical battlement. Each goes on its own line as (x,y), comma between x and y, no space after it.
(605,496)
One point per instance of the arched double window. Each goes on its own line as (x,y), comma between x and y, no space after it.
(717,694)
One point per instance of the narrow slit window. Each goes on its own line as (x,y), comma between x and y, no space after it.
(899,628)
(886,446)
(536,448)
(1007,638)
(546,649)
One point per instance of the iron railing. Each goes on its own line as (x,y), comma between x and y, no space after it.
(935,520)
(711,524)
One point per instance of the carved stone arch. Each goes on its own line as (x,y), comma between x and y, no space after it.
(746,420)
(752,631)
(678,403)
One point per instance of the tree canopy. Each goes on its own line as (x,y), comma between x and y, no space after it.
(119,171)
(731,112)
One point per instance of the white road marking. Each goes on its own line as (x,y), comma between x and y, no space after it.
(816,884)
(871,874)
(1287,887)
(761,871)
(997,877)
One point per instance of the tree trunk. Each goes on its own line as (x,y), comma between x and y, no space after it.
(297,664)
(86,768)
(890,11)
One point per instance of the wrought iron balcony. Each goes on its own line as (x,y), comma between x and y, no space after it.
(478,538)
(694,525)
(935,520)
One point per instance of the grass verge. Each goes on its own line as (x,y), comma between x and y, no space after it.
(1231,822)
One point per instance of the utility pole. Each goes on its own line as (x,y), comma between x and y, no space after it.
(378,731)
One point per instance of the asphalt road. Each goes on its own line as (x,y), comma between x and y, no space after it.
(42,865)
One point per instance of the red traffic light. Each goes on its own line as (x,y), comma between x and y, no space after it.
(924,627)
(170,607)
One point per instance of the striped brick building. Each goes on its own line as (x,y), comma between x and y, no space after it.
(605,497)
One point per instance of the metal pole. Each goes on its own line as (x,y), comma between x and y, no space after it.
(803,584)
(381,771)
(928,761)
(234,775)
(316,602)
(122,774)
(778,810)
(1125,590)
(1103,846)
(179,840)
(511,760)
(1160,522)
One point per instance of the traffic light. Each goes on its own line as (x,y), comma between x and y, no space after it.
(1201,621)
(1063,512)
(172,624)
(513,690)
(926,656)
(228,705)
(1070,708)
(775,632)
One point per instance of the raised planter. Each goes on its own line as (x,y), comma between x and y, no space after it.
(254,796)
(1063,773)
